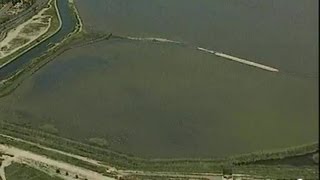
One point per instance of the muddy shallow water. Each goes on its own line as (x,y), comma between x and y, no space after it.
(166,100)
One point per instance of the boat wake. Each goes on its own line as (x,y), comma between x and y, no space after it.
(239,60)
(206,50)
(219,54)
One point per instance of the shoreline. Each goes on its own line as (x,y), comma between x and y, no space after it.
(79,20)
(46,144)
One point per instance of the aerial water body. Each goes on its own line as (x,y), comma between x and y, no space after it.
(155,94)
(159,100)
(281,34)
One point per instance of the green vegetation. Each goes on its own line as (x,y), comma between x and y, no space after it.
(21,171)
(33,27)
(279,172)
(49,128)
(16,1)
(16,42)
(19,41)
(238,164)
(298,160)
(141,177)
(55,22)
(98,142)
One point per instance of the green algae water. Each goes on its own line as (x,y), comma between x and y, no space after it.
(154,99)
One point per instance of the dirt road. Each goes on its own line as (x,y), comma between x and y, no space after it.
(50,166)
(62,152)
(46,164)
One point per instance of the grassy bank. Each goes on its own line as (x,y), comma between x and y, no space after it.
(242,164)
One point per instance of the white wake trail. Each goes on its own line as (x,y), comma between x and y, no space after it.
(219,54)
(240,60)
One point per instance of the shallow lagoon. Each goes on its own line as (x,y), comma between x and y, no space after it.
(165,100)
(162,100)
